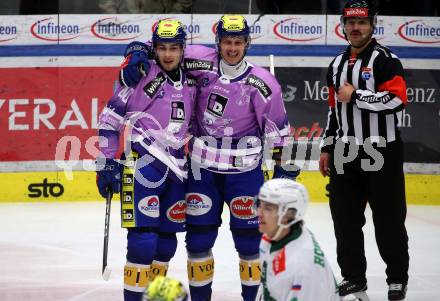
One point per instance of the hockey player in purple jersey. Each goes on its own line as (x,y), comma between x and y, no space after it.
(239,107)
(158,111)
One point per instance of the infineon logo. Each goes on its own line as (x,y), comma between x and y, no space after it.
(47,30)
(292,29)
(8,32)
(379,32)
(418,31)
(113,29)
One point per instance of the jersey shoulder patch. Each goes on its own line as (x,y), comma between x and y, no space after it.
(153,86)
(195,64)
(258,83)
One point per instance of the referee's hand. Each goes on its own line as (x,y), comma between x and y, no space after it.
(344,92)
(324,164)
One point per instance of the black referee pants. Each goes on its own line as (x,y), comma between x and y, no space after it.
(384,190)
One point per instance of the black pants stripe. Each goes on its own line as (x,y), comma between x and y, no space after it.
(384,190)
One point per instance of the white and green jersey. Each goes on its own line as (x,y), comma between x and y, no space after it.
(295,269)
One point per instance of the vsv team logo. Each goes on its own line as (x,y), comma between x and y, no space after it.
(420,31)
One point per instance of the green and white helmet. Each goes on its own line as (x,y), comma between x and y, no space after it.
(286,194)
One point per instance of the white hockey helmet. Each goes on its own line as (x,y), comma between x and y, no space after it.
(286,194)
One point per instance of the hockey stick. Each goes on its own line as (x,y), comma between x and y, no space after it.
(269,168)
(105,269)
(271,64)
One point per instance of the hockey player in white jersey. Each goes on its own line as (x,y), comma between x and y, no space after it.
(293,266)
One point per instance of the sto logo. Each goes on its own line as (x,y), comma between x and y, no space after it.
(45,189)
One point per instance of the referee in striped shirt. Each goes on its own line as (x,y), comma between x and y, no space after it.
(362,153)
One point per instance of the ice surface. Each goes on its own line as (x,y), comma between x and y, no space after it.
(53,251)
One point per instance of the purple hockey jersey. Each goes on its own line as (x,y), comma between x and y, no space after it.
(158,113)
(233,116)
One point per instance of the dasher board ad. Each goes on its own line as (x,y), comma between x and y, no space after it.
(49,114)
(265,30)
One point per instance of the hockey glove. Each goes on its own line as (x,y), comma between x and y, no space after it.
(136,64)
(108,175)
(280,172)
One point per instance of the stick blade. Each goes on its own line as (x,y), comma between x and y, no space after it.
(106,273)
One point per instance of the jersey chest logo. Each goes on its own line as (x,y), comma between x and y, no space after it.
(366,73)
(152,87)
(258,83)
(177,111)
(217,104)
(192,65)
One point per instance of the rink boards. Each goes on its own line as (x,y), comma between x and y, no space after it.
(55,118)
(54,86)
(49,119)
(421,189)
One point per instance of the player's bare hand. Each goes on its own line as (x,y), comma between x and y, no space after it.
(324,164)
(344,92)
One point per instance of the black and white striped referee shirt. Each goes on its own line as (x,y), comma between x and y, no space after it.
(376,104)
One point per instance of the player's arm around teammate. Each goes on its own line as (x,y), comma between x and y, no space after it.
(158,110)
(236,100)
(239,105)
